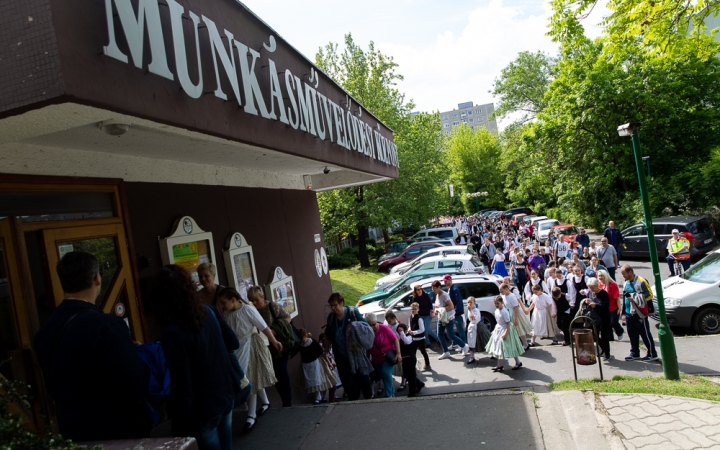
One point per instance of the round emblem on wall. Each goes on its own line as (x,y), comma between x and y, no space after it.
(187,226)
(278,273)
(238,240)
(119,310)
(324,261)
(318,263)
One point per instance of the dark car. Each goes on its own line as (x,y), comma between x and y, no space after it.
(519,210)
(411,252)
(697,229)
(397,246)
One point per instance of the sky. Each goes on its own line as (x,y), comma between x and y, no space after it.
(449,51)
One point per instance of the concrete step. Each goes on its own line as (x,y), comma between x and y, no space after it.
(568,420)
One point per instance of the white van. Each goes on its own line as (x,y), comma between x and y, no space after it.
(440,232)
(692,300)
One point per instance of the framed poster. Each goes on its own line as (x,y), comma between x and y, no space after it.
(188,246)
(281,290)
(239,264)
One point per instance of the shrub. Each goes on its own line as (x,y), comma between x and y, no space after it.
(341,261)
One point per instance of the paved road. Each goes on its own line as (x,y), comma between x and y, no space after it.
(501,420)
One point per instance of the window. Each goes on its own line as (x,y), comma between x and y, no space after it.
(462,115)
(450,264)
(700,227)
(464,120)
(636,231)
(478,111)
(446,125)
(482,289)
(454,116)
(413,252)
(426,266)
(469,113)
(471,120)
(442,233)
(445,117)
(480,119)
(456,123)
(659,229)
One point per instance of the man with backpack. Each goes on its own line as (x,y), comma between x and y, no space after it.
(354,382)
(89,362)
(637,304)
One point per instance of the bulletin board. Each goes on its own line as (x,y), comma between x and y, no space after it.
(281,290)
(188,246)
(240,264)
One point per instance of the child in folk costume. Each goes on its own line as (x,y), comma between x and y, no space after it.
(518,314)
(498,263)
(319,376)
(477,333)
(330,358)
(408,350)
(543,320)
(504,342)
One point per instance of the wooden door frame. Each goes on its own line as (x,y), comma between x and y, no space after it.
(116,186)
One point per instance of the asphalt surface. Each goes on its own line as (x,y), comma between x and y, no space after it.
(502,420)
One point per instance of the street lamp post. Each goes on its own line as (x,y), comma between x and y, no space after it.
(476,196)
(667,342)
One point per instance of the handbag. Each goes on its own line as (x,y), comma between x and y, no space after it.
(390,357)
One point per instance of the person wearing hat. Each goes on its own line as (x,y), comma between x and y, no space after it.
(456,298)
(678,248)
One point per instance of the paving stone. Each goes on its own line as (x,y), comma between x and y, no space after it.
(624,417)
(669,401)
(688,419)
(653,439)
(681,441)
(656,420)
(703,417)
(616,410)
(700,439)
(687,406)
(709,430)
(629,432)
(639,411)
(663,446)
(670,426)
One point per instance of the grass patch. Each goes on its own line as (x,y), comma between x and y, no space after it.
(692,386)
(354,282)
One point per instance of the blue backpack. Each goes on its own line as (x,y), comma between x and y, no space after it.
(159,383)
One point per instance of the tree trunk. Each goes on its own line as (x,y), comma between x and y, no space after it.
(362,232)
(386,237)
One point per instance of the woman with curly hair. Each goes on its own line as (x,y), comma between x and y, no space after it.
(196,343)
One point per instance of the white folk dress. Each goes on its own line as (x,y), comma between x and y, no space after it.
(524,327)
(253,354)
(477,333)
(542,321)
(509,347)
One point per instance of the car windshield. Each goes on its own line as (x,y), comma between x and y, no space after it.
(471,250)
(566,230)
(546,226)
(706,271)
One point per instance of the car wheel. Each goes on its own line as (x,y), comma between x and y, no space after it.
(489,320)
(389,268)
(707,321)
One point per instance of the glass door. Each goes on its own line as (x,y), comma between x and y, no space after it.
(109,244)
(18,324)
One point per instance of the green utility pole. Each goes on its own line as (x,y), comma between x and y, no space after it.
(477,205)
(667,342)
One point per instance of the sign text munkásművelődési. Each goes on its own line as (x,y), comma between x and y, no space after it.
(309,110)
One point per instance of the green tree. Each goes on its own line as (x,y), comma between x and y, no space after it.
(522,85)
(371,77)
(473,156)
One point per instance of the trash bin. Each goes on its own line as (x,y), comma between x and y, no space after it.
(585,347)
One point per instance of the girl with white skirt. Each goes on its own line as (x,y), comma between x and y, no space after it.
(543,320)
(519,314)
(504,342)
(478,334)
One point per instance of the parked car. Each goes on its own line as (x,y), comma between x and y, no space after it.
(485,212)
(440,251)
(403,283)
(518,210)
(542,228)
(489,213)
(494,215)
(566,231)
(692,300)
(526,219)
(442,233)
(466,263)
(519,217)
(410,252)
(483,287)
(534,221)
(397,246)
(697,229)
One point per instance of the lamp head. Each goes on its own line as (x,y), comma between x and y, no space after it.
(627,129)
(326,170)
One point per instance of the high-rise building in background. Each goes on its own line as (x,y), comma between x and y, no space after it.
(472,115)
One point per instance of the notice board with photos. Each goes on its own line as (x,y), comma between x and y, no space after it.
(188,246)
(281,290)
(240,264)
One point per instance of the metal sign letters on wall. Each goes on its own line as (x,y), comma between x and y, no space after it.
(309,110)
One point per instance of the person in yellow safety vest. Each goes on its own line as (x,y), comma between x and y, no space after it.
(678,249)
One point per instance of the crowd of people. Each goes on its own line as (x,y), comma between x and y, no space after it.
(223,350)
